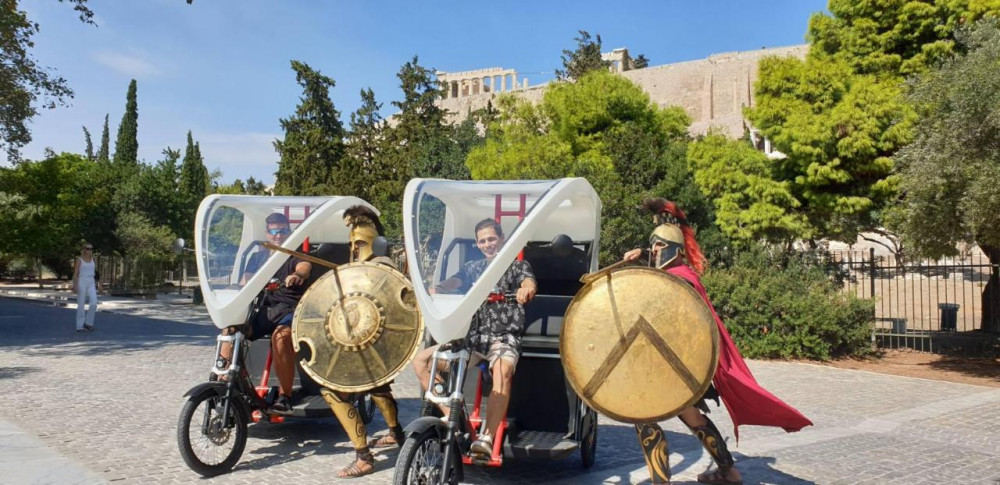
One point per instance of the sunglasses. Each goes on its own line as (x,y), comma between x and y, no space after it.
(278,232)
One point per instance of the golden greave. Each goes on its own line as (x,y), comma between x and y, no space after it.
(654,450)
(387,405)
(713,442)
(349,418)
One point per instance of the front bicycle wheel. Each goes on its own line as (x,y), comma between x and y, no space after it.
(208,447)
(421,461)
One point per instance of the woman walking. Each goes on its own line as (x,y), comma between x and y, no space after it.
(85,285)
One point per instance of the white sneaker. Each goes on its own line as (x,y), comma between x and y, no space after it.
(483,445)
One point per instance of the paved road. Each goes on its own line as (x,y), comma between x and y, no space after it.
(102,407)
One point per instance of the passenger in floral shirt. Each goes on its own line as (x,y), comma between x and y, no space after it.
(496,327)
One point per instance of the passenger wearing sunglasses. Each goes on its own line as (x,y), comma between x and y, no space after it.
(275,318)
(85,285)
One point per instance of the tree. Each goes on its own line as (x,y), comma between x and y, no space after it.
(193,187)
(89,149)
(889,37)
(22,81)
(750,201)
(127,145)
(312,151)
(256,187)
(103,152)
(363,141)
(640,62)
(413,145)
(950,171)
(838,130)
(50,206)
(586,58)
(839,115)
(605,128)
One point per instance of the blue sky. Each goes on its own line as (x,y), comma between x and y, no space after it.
(220,68)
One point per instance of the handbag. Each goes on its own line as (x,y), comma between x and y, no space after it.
(97,275)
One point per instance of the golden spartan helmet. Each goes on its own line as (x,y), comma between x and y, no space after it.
(668,235)
(365,228)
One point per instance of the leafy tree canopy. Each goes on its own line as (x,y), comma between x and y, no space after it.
(26,86)
(892,37)
(606,129)
(950,171)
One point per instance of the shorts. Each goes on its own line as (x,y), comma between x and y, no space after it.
(261,326)
(498,350)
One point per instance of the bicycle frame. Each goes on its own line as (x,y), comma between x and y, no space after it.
(453,396)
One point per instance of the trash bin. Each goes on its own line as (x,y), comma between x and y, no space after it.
(949,316)
(196,297)
(898,325)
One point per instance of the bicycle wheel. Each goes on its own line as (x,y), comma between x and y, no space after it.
(207,447)
(421,461)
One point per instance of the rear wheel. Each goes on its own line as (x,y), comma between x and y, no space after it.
(421,461)
(207,447)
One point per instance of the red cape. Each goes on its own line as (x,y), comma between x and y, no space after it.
(746,401)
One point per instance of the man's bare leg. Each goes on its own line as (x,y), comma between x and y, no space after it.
(284,358)
(503,375)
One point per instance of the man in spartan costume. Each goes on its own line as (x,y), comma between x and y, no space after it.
(673,249)
(365,229)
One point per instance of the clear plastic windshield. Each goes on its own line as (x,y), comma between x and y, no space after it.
(451,255)
(234,237)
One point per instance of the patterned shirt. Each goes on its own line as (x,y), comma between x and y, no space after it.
(502,321)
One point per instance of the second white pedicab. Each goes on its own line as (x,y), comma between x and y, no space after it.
(555,226)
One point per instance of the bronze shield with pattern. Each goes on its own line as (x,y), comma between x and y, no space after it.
(357,327)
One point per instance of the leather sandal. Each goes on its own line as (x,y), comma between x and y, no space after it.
(358,468)
(384,442)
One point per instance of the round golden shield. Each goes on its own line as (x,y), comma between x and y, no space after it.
(357,327)
(639,345)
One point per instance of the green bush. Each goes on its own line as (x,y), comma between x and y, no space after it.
(780,305)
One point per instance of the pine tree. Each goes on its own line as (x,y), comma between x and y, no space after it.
(103,154)
(312,151)
(127,146)
(586,58)
(89,150)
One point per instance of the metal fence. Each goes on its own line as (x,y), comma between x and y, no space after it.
(919,300)
(146,275)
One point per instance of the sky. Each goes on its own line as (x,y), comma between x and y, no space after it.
(221,68)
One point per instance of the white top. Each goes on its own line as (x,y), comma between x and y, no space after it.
(86,270)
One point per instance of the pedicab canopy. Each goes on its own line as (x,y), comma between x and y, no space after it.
(230,229)
(439,222)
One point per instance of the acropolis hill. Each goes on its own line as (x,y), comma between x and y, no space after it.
(713,90)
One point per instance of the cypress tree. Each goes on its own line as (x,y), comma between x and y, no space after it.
(193,184)
(89,150)
(103,154)
(127,146)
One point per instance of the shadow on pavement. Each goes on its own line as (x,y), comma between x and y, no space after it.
(49,331)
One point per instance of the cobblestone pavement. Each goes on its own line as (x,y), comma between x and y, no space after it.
(102,407)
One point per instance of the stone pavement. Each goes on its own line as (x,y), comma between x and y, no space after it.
(102,407)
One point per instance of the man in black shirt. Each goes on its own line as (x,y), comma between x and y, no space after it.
(275,317)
